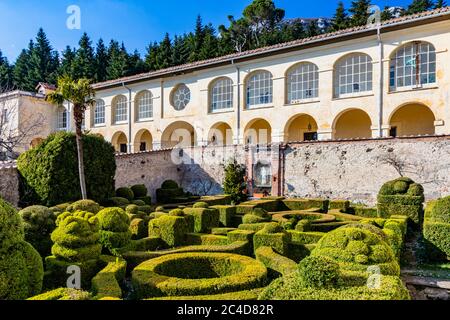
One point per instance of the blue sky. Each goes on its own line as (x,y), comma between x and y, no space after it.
(137,23)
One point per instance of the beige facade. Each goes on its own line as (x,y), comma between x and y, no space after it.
(27,119)
(419,105)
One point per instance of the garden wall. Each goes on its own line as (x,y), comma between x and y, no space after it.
(353,170)
(9,182)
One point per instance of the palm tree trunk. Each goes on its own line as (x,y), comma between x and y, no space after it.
(78,115)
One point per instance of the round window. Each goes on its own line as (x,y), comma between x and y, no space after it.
(181,97)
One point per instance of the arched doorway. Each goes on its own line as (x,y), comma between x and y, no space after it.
(143,141)
(120,142)
(258,131)
(220,134)
(412,120)
(301,128)
(353,124)
(178,134)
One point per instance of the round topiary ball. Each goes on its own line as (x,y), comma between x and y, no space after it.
(169,184)
(318,272)
(113,219)
(401,187)
(416,190)
(132,209)
(39,223)
(160,209)
(126,193)
(84,205)
(201,205)
(139,190)
(176,213)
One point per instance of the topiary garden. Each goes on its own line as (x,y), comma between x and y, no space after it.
(210,249)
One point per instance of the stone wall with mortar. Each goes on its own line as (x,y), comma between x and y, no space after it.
(356,170)
(9,182)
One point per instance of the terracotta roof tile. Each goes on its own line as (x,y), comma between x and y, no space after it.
(249,53)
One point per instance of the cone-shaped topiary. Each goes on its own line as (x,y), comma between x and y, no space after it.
(114,229)
(84,205)
(21,268)
(39,223)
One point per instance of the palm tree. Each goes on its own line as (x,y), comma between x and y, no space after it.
(81,95)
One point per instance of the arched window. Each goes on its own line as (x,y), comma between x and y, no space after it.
(413,65)
(62,119)
(303,82)
(99,112)
(221,94)
(120,109)
(353,74)
(259,89)
(145,105)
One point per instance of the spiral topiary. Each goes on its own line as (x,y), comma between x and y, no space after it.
(318,272)
(76,237)
(21,267)
(114,229)
(84,205)
(39,223)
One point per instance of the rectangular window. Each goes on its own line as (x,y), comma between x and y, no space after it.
(123,148)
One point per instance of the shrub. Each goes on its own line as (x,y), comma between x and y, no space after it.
(84,205)
(139,202)
(139,191)
(401,197)
(169,184)
(63,294)
(358,246)
(107,282)
(343,205)
(132,209)
(204,219)
(436,230)
(190,274)
(201,205)
(49,172)
(39,223)
(304,204)
(276,263)
(21,269)
(171,229)
(138,229)
(126,193)
(114,226)
(147,200)
(177,213)
(217,200)
(318,272)
(274,236)
(234,183)
(226,214)
(117,202)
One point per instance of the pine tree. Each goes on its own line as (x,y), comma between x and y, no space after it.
(313,29)
(292,31)
(5,73)
(196,40)
(150,57)
(340,20)
(419,6)
(68,56)
(44,62)
(234,182)
(101,61)
(136,65)
(386,14)
(164,53)
(84,63)
(359,11)
(21,68)
(440,4)
(209,47)
(180,50)
(117,61)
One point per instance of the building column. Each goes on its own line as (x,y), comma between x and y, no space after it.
(157,145)
(439,126)
(278,136)
(276,159)
(325,134)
